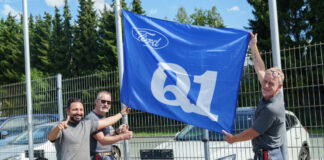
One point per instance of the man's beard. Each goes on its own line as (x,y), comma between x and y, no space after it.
(76,120)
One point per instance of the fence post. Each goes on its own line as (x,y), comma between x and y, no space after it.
(59,96)
(206,144)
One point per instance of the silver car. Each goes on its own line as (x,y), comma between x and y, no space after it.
(188,143)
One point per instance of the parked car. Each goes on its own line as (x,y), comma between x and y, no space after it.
(2,119)
(18,148)
(12,126)
(43,149)
(188,143)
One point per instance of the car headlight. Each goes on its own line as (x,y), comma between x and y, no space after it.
(16,157)
(230,157)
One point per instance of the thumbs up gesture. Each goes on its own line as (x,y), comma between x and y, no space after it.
(63,125)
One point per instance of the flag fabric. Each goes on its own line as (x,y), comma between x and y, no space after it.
(183,72)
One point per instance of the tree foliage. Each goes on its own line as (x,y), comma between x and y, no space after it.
(210,17)
(88,44)
(293,22)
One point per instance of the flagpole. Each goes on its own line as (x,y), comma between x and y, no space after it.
(276,56)
(28,83)
(120,54)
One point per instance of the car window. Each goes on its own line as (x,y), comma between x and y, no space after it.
(14,125)
(291,121)
(190,133)
(2,120)
(242,122)
(39,136)
(42,119)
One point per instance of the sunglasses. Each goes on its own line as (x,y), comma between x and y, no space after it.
(105,101)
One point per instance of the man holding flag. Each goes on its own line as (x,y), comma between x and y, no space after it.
(269,120)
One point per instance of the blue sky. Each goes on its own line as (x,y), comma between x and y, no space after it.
(235,13)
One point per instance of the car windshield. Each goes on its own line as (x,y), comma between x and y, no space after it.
(39,136)
(1,121)
(243,121)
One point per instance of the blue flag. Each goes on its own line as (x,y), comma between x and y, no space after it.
(183,72)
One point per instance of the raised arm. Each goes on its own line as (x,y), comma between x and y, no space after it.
(109,121)
(53,134)
(259,66)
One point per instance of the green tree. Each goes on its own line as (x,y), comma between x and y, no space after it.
(107,42)
(137,8)
(57,55)
(11,50)
(210,18)
(198,17)
(315,17)
(67,40)
(292,23)
(214,19)
(182,16)
(42,40)
(85,52)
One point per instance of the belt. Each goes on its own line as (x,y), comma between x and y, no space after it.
(105,153)
(261,149)
(102,154)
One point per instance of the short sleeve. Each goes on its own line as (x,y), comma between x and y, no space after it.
(264,121)
(94,126)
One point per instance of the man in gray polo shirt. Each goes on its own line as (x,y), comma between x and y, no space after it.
(269,121)
(101,141)
(72,137)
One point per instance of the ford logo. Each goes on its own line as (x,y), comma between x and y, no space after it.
(150,38)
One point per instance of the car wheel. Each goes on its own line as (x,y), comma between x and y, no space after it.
(116,153)
(304,153)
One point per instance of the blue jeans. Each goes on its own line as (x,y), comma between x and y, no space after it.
(274,154)
(102,158)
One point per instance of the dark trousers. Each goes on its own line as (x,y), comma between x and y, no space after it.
(274,154)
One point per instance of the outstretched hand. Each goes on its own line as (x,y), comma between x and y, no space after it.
(63,125)
(229,138)
(254,39)
(125,111)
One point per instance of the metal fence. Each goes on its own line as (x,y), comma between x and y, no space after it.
(303,93)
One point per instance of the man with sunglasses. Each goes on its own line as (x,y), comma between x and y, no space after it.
(102,140)
(269,124)
(72,136)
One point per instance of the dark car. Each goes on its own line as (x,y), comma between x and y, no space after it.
(15,125)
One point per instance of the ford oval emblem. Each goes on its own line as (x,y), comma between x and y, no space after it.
(150,38)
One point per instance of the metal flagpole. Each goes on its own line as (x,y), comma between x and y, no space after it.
(118,14)
(276,56)
(28,83)
(274,33)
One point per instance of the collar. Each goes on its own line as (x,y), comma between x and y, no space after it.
(98,115)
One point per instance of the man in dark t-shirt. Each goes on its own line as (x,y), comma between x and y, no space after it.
(101,141)
(269,124)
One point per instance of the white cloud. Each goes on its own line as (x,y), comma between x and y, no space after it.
(100,4)
(53,3)
(8,9)
(235,8)
(152,11)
